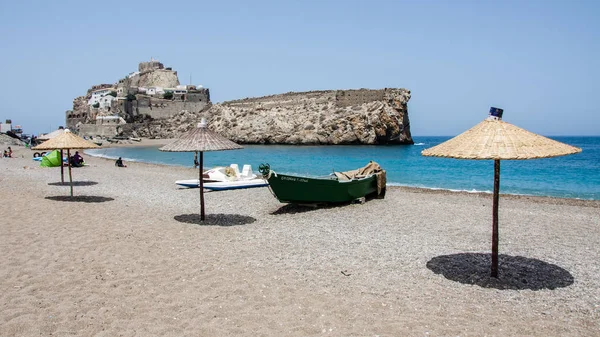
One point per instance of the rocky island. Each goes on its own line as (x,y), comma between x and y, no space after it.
(152,103)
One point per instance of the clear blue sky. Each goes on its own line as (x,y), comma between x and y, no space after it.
(539,60)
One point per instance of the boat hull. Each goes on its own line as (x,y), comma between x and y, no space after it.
(234,185)
(303,190)
(191,183)
(223,185)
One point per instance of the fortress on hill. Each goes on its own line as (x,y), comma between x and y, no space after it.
(152,92)
(152,103)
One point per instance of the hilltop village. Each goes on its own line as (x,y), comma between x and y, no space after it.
(152,92)
(152,103)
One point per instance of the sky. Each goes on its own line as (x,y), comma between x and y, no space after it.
(539,60)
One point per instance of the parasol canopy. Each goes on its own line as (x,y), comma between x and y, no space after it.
(66,140)
(201,139)
(496,139)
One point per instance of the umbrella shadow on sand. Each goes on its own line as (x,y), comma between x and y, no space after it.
(75,183)
(80,198)
(515,272)
(224,220)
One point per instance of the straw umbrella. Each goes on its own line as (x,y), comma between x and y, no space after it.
(66,140)
(51,135)
(201,139)
(496,139)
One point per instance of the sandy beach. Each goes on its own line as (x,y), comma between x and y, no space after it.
(128,256)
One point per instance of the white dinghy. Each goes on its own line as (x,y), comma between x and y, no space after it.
(226,178)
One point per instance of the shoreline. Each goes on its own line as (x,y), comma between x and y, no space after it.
(434,190)
(537,198)
(144,142)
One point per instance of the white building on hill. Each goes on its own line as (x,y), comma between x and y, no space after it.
(106,101)
(155,91)
(98,94)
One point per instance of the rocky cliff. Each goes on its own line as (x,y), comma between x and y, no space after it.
(317,117)
(152,78)
(360,116)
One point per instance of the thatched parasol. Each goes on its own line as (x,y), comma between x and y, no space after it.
(51,135)
(66,140)
(201,139)
(496,139)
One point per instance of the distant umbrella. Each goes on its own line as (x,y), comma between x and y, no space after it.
(496,139)
(51,134)
(66,141)
(201,139)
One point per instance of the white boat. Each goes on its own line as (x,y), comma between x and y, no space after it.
(191,183)
(224,185)
(236,184)
(224,175)
(228,173)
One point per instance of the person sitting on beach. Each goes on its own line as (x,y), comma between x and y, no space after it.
(9,152)
(76,160)
(5,154)
(119,163)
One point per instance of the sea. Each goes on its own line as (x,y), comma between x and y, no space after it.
(575,176)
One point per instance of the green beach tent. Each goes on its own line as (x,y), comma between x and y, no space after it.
(51,159)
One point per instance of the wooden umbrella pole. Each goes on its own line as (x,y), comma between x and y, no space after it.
(70,176)
(201,188)
(495,218)
(62,168)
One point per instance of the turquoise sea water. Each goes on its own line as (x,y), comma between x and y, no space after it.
(574,176)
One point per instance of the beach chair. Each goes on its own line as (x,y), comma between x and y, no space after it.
(246,172)
(236,169)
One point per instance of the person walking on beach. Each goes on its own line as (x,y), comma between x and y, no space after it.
(119,163)
(196,164)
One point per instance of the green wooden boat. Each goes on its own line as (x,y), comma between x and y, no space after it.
(342,187)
